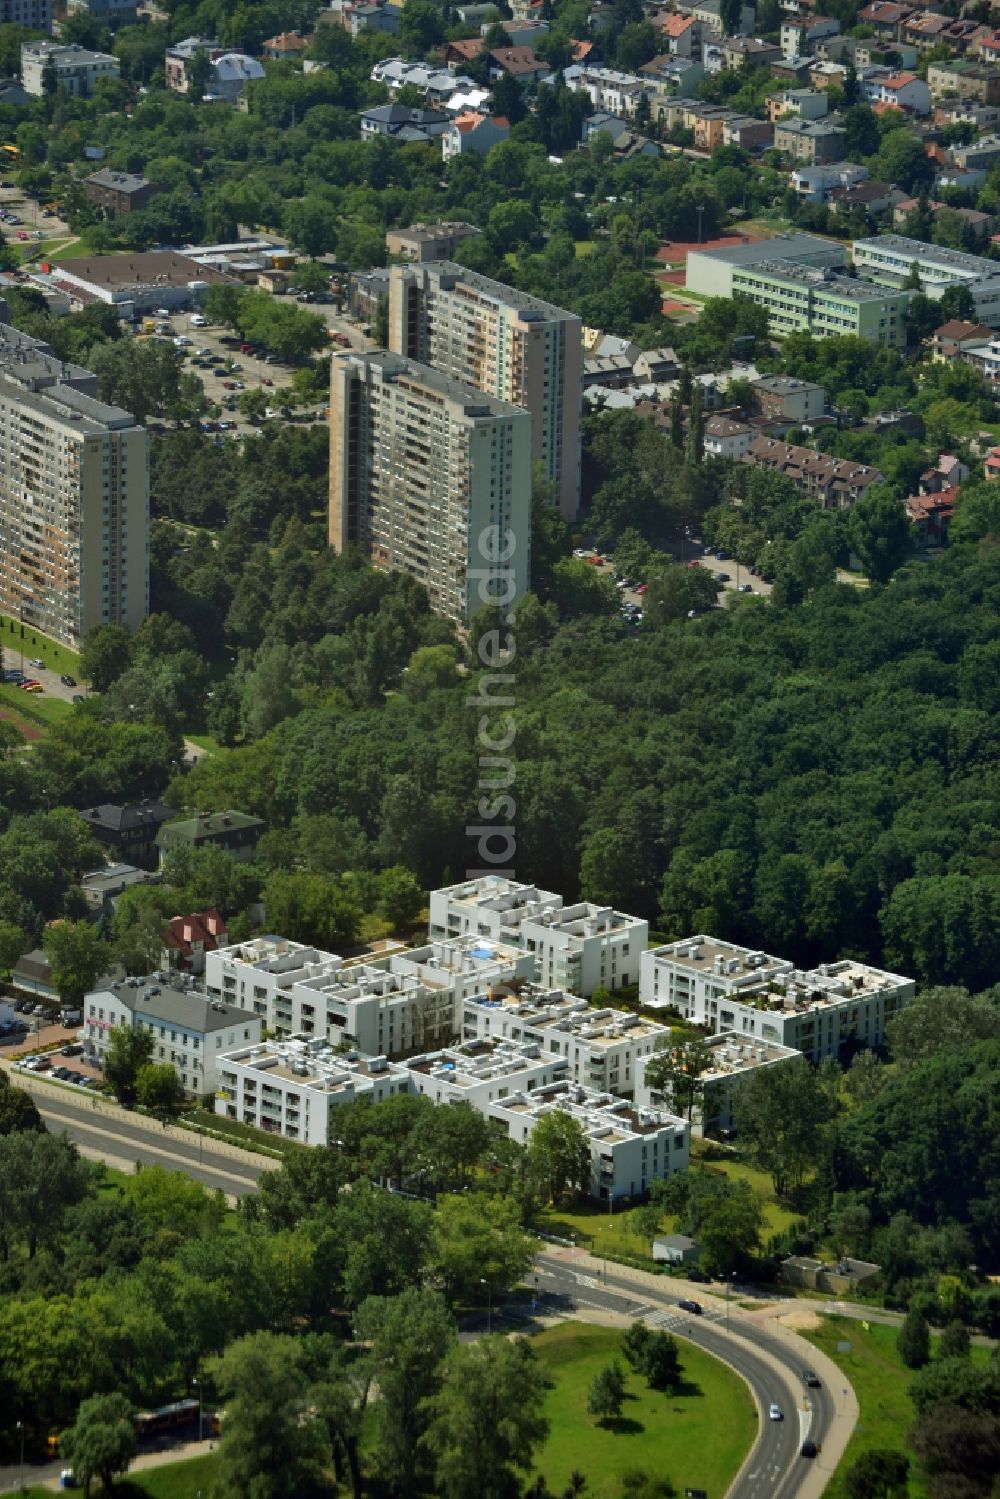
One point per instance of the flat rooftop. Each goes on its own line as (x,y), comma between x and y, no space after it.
(605,1119)
(494,291)
(313,1066)
(482,1062)
(917,249)
(148,268)
(426,382)
(733,1053)
(782,247)
(847,287)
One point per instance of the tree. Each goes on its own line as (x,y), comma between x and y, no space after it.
(401,897)
(157,1087)
(77,955)
(476,1241)
(409,1337)
(130,1048)
(607,1393)
(13,942)
(661,1363)
(676,1069)
(312,908)
(780,1113)
(957,302)
(914,1341)
(106,655)
(696,427)
(17,1110)
(272,1445)
(879,532)
(954,1341)
(487,1419)
(959,1450)
(879,1473)
(101,1442)
(559,1156)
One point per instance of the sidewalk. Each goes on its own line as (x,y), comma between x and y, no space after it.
(90,1104)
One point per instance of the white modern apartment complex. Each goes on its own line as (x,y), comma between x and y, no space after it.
(733,1060)
(578,948)
(74,497)
(422,467)
(70,67)
(603,1049)
(889,259)
(482,1072)
(294,1088)
(630,1148)
(189,1030)
(505,343)
(729,988)
(402,1003)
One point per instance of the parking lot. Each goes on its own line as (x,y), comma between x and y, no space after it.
(36,225)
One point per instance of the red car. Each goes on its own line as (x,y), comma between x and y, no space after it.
(229,384)
(266,381)
(641,588)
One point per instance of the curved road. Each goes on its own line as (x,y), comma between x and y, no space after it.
(771,1366)
(771,1360)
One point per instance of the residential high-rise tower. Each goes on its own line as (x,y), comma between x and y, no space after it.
(431,477)
(504,343)
(74,497)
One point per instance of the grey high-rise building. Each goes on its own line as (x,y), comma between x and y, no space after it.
(504,343)
(74,497)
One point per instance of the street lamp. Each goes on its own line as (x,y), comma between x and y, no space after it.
(489,1306)
(20,1427)
(730,1278)
(197,1383)
(699,210)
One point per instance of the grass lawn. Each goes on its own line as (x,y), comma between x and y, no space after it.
(698,1437)
(55,656)
(205,742)
(33,706)
(183,1480)
(595,1230)
(881,1383)
(777,1217)
(584,247)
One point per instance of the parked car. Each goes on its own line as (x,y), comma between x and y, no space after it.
(39,1010)
(67,680)
(36,661)
(745,588)
(809,1449)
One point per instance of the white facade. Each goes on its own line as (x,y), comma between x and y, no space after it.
(189,1031)
(404,1002)
(730,988)
(629,1148)
(901,90)
(734,1060)
(814,183)
(602,1048)
(725,438)
(74,68)
(294,1088)
(578,948)
(617,93)
(889,258)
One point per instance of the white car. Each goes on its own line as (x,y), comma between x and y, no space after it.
(775,1412)
(197,321)
(181,341)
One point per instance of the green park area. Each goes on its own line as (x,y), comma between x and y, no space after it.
(881,1382)
(697,1437)
(56,657)
(621,1234)
(181,1480)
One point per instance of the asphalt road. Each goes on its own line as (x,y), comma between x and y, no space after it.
(121,1143)
(775,1468)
